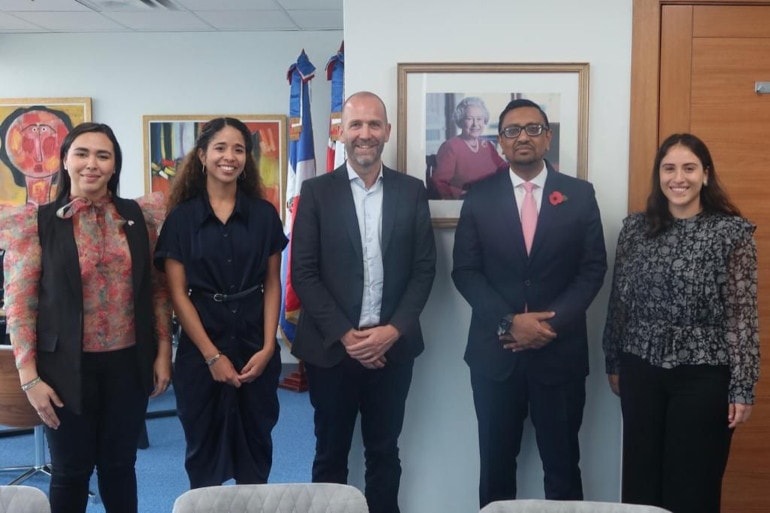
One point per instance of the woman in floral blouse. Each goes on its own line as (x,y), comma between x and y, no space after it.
(89,320)
(682,338)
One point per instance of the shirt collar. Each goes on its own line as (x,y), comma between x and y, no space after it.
(353,176)
(538,180)
(204,212)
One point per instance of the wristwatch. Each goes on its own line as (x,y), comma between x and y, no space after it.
(504,326)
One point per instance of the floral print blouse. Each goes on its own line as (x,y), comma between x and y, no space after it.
(687,296)
(105,266)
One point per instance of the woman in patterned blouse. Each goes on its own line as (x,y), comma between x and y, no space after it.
(89,320)
(682,340)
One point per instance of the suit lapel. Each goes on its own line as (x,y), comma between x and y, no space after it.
(509,213)
(135,236)
(347,207)
(390,195)
(546,214)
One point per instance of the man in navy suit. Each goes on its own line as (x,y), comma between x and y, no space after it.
(527,343)
(363,262)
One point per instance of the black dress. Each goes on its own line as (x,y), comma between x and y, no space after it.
(227,429)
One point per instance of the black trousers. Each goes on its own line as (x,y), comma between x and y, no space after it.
(556,412)
(675,435)
(338,394)
(104,436)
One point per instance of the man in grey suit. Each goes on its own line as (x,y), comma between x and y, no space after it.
(362,264)
(529,257)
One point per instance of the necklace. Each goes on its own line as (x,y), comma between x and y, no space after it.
(473,144)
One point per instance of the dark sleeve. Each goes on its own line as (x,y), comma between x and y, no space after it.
(317,301)
(612,340)
(278,240)
(169,241)
(739,294)
(468,268)
(575,299)
(423,267)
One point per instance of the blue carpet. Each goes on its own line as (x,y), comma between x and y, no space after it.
(160,468)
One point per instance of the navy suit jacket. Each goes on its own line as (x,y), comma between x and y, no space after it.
(327,269)
(563,273)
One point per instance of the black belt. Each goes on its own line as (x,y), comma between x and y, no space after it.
(219,297)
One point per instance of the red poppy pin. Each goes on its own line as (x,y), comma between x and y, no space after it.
(557,198)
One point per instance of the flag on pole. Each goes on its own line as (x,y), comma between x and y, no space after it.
(301,167)
(335,71)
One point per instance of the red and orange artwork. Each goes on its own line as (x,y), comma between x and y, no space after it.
(169,138)
(30,141)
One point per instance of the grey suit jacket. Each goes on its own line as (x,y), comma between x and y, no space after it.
(327,270)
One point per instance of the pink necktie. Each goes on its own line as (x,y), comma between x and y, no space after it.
(528,214)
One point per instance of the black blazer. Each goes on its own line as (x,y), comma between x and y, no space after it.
(327,264)
(60,309)
(563,273)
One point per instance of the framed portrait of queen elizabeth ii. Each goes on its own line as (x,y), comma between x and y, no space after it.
(447,129)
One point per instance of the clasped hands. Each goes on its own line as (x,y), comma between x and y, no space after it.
(223,371)
(369,345)
(529,331)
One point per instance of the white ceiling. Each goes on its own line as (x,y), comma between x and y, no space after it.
(37,16)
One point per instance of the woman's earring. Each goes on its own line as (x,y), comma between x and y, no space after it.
(204,170)
(705,183)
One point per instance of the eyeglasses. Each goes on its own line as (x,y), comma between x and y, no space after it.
(532,130)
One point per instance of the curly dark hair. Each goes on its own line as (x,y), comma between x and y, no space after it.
(713,197)
(190,180)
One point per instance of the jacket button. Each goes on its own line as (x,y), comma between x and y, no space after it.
(527,283)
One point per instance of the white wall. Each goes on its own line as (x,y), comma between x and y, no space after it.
(439,447)
(129,75)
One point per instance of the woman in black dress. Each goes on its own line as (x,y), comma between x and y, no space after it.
(221,247)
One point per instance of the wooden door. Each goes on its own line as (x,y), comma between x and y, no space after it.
(711,55)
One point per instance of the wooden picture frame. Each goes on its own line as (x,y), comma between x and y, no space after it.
(428,92)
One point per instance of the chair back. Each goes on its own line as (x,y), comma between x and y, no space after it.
(15,410)
(430,167)
(546,506)
(273,498)
(23,499)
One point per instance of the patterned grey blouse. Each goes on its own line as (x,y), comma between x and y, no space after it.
(687,296)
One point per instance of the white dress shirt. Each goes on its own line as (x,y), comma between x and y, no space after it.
(369,213)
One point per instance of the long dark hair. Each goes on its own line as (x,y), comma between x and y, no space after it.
(713,197)
(65,184)
(190,180)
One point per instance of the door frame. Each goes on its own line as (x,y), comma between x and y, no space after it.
(645,90)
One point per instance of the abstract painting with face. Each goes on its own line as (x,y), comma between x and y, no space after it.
(31,138)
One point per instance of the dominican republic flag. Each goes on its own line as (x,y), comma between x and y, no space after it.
(335,71)
(301,167)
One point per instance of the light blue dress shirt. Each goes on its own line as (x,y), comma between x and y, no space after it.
(369,213)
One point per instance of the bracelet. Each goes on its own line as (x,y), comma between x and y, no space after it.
(29,384)
(211,361)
